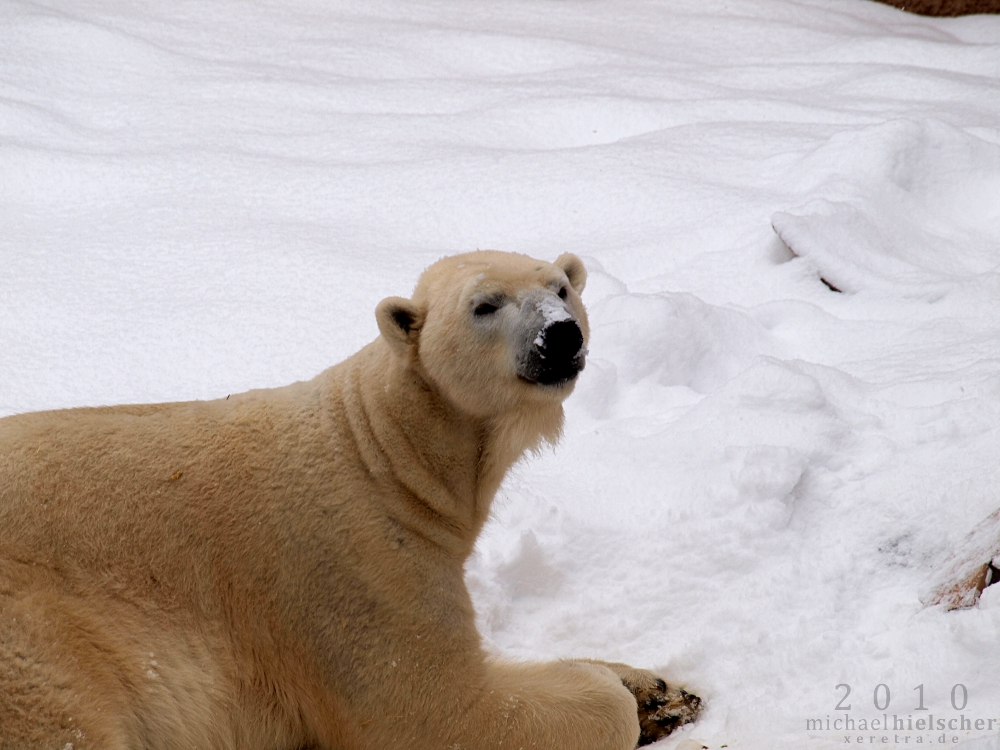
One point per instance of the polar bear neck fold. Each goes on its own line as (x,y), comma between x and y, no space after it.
(447,466)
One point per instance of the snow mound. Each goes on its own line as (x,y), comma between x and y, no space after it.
(675,339)
(909,208)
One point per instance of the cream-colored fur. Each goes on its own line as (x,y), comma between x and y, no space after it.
(284,568)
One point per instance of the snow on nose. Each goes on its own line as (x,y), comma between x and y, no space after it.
(552,312)
(556,354)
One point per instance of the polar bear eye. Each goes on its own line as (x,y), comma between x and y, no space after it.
(563,292)
(485,308)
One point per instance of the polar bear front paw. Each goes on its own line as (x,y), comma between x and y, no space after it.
(662,707)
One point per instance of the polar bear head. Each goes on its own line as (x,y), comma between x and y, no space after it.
(492,331)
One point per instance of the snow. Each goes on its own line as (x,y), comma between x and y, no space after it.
(552,312)
(758,474)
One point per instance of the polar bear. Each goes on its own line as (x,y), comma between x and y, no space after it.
(283,568)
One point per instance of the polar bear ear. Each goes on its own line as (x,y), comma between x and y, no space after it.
(575,272)
(399,320)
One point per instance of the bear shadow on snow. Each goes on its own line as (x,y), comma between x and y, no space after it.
(284,568)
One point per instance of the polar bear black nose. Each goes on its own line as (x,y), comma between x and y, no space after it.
(559,352)
(561,341)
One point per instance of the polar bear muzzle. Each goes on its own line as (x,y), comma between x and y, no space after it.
(551,348)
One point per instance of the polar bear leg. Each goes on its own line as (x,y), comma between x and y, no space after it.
(44,701)
(72,677)
(662,707)
(554,705)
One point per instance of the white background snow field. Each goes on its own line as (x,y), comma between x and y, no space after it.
(758,473)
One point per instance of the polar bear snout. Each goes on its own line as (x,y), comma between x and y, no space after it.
(561,355)
(555,353)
